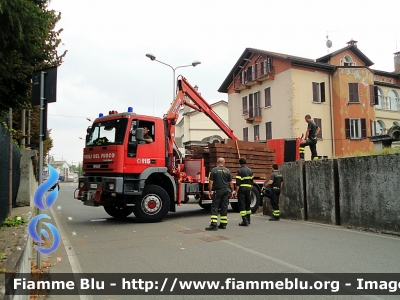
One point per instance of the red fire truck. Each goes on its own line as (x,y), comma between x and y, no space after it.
(126,174)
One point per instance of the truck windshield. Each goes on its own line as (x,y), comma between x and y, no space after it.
(108,133)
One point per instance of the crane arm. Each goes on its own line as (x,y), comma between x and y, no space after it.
(199,104)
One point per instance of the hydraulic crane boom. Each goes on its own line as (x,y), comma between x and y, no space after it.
(199,105)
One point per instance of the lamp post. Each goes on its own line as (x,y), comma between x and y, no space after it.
(195,63)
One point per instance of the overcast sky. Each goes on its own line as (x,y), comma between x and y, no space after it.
(106,67)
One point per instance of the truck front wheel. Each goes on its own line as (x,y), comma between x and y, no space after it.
(153,206)
(118,212)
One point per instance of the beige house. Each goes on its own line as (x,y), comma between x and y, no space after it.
(269,94)
(194,128)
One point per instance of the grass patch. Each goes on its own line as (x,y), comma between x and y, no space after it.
(14,221)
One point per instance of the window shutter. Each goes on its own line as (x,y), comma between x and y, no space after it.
(251,106)
(322,87)
(244,105)
(245,134)
(267,92)
(363,128)
(376,95)
(347,128)
(314,91)
(268,130)
(372,94)
(318,122)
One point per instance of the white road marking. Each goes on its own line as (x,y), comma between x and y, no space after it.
(73,260)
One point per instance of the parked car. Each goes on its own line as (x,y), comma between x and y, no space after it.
(56,185)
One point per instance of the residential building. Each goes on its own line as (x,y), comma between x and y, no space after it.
(270,93)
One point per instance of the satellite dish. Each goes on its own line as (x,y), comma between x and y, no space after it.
(329,43)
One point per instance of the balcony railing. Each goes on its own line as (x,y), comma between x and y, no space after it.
(246,78)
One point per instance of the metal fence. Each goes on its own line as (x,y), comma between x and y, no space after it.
(4,173)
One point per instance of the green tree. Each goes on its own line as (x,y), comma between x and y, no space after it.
(28,42)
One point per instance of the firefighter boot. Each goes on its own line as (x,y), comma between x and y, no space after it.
(212,227)
(222,226)
(248,218)
(244,222)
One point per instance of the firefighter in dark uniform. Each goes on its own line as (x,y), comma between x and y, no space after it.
(220,189)
(275,184)
(244,183)
(310,139)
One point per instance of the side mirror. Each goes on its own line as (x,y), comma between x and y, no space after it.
(139,134)
(89,129)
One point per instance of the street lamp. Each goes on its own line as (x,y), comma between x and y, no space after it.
(195,63)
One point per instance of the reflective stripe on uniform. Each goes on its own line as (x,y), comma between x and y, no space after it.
(248,212)
(223,220)
(276,213)
(243,213)
(214,219)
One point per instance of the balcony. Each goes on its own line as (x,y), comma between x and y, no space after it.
(388,103)
(253,115)
(245,80)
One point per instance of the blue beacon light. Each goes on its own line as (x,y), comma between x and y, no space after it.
(130,109)
(100,115)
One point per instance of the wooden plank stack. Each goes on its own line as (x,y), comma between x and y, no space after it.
(258,156)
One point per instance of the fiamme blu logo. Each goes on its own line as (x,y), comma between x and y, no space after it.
(44,199)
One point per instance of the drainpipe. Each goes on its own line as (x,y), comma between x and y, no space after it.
(331,112)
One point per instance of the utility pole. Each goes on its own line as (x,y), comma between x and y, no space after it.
(10,177)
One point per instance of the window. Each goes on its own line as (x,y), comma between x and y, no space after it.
(264,67)
(267,93)
(256,132)
(376,78)
(373,127)
(250,73)
(355,128)
(383,79)
(318,122)
(318,92)
(390,80)
(395,123)
(269,63)
(107,133)
(393,100)
(380,127)
(347,61)
(353,93)
(245,134)
(373,94)
(244,106)
(268,130)
(380,99)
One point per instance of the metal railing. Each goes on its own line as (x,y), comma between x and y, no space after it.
(246,76)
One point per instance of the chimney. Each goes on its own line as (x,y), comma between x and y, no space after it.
(352,43)
(397,62)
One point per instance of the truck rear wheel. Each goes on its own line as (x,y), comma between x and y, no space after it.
(118,212)
(254,201)
(153,206)
(204,206)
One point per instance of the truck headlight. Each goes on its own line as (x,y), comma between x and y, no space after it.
(111,186)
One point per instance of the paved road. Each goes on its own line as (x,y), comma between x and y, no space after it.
(94,242)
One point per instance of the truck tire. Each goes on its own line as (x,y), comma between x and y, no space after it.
(153,206)
(118,212)
(235,206)
(205,206)
(254,201)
